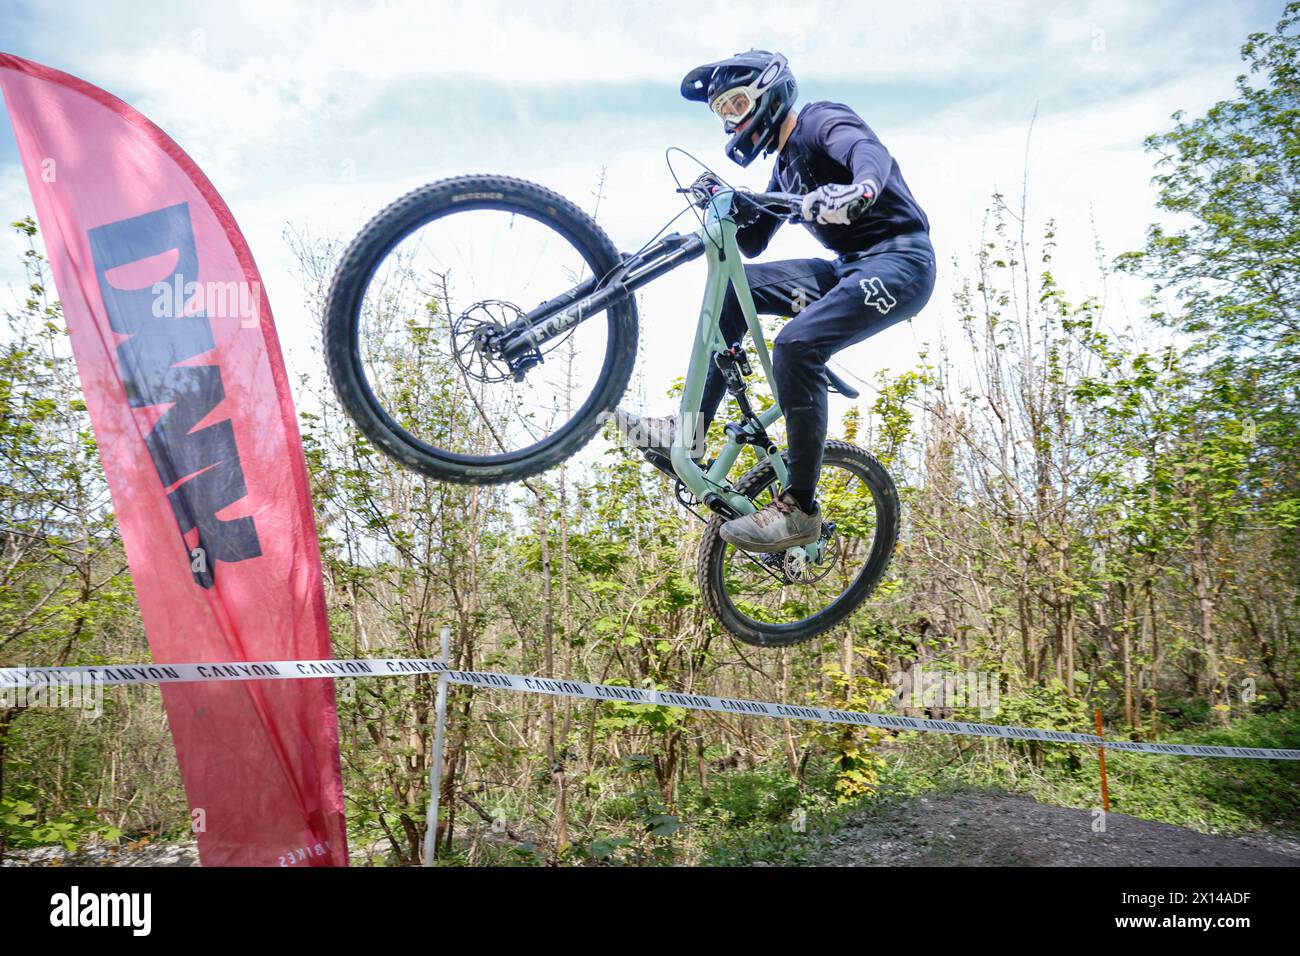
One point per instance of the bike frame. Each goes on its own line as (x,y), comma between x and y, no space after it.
(724,268)
(520,342)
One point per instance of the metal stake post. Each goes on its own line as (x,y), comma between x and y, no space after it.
(435,756)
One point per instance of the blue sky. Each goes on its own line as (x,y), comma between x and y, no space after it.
(316,115)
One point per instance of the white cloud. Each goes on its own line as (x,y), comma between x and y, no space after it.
(273,99)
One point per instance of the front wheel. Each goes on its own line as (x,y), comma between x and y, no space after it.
(418,289)
(775,600)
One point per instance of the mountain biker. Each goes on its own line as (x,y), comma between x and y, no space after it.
(858,206)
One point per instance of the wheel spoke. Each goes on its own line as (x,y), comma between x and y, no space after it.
(466,272)
(771,597)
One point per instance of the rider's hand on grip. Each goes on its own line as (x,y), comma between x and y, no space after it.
(837,204)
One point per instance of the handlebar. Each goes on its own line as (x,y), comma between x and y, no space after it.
(791,203)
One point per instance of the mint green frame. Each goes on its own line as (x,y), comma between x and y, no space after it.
(725,266)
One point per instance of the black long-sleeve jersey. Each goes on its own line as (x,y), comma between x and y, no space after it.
(830,143)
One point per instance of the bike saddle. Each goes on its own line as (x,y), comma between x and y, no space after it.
(837,384)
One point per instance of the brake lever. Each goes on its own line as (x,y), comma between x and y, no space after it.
(699,198)
(793,216)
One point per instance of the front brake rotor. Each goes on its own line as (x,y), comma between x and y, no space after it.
(473,338)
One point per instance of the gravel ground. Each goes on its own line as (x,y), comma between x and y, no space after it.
(1001,829)
(147,854)
(959,829)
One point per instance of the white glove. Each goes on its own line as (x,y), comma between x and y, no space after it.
(837,204)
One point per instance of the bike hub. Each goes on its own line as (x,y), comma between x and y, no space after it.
(476,338)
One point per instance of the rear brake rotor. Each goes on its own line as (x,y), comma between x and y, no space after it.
(798,568)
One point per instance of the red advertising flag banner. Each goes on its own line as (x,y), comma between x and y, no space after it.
(186,386)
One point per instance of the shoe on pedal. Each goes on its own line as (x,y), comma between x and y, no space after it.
(778,525)
(652,436)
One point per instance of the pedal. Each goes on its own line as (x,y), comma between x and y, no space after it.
(720,506)
(660,461)
(665,463)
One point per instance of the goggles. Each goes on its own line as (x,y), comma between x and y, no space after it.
(733,106)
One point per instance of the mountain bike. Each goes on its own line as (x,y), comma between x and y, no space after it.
(437,359)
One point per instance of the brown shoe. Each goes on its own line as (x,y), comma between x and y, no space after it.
(778,525)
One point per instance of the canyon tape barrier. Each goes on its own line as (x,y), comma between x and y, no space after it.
(13,679)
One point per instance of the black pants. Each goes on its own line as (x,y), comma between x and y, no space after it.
(832,304)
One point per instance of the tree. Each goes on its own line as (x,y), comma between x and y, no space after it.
(1235,269)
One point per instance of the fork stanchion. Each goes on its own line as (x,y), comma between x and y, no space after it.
(435,755)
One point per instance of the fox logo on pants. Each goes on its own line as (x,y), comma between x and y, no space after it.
(877,295)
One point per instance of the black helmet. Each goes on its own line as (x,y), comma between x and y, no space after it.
(752,92)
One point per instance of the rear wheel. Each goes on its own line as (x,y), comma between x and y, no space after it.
(774,600)
(424,280)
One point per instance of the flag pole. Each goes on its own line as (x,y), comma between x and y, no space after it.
(435,756)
